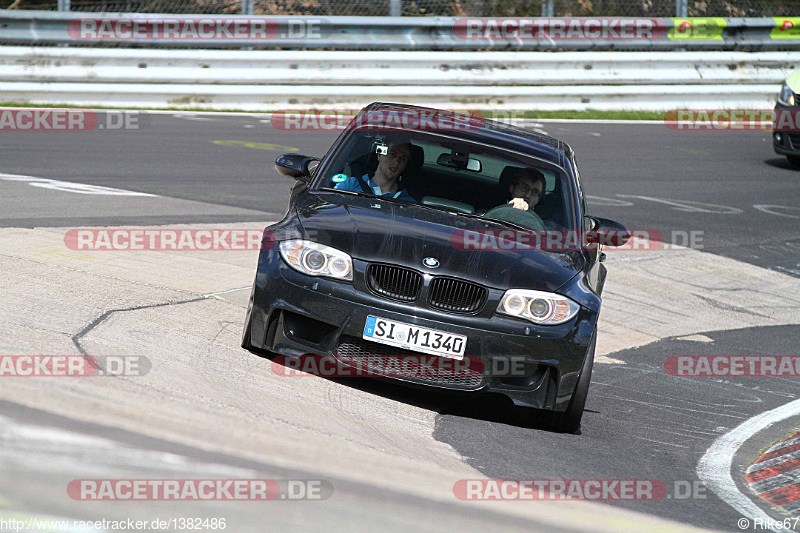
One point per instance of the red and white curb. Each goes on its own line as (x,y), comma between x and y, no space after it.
(775,476)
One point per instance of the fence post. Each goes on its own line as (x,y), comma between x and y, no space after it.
(394,8)
(63,5)
(247,7)
(681,8)
(547,8)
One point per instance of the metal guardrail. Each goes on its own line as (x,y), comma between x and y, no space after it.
(399,33)
(283,79)
(349,68)
(282,97)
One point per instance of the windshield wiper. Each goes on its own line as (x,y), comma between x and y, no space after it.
(508,224)
(353,193)
(375,196)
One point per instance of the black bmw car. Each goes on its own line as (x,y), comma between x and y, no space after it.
(425,234)
(786,134)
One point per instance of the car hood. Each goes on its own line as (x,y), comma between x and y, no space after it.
(376,230)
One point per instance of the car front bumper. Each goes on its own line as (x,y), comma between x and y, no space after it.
(295,315)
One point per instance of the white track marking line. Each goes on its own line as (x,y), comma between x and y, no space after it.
(770,209)
(68,186)
(714,468)
(695,338)
(58,451)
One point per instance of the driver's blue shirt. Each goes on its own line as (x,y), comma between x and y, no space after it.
(352,184)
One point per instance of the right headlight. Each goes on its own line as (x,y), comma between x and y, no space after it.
(546,308)
(317,259)
(787,96)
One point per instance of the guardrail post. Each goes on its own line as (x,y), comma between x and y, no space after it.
(394,8)
(547,8)
(247,7)
(63,5)
(681,8)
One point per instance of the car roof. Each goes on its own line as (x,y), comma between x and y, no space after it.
(495,133)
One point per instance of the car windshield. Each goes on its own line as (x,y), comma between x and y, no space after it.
(452,174)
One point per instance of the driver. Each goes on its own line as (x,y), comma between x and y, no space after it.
(384,182)
(526,191)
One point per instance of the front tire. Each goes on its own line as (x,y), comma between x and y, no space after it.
(570,420)
(794,160)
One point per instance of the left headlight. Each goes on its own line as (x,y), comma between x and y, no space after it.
(546,308)
(317,259)
(787,96)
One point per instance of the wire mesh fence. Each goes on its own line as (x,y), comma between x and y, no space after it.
(449,8)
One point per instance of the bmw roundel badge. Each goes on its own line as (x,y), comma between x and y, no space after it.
(430,262)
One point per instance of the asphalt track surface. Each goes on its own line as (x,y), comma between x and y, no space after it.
(640,422)
(633,170)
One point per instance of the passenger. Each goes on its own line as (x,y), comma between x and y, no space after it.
(526,191)
(384,182)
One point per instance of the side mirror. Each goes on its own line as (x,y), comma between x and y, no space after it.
(295,166)
(607,232)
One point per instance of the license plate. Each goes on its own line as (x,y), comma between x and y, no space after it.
(415,338)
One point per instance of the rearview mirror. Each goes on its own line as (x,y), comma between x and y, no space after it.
(607,232)
(296,166)
(471,164)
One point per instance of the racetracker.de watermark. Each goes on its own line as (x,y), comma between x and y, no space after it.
(212,28)
(576,489)
(136,239)
(560,29)
(199,489)
(732,119)
(733,365)
(73,365)
(41,119)
(35,523)
(567,240)
(406,119)
(401,366)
